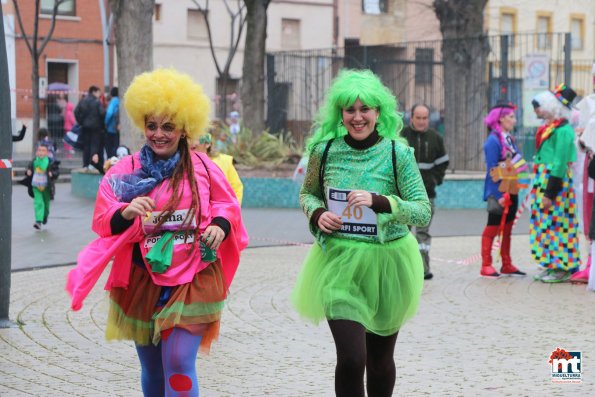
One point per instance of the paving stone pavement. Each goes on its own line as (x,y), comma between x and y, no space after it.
(471,337)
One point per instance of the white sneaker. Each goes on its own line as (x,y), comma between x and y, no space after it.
(556,276)
(540,276)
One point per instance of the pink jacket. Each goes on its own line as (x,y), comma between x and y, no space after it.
(69,119)
(216,199)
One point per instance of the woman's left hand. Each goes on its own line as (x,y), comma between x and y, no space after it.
(546,203)
(213,236)
(359,197)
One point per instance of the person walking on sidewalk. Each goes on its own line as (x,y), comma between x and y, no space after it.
(89,114)
(553,227)
(173,224)
(362,190)
(40,176)
(432,161)
(112,124)
(499,146)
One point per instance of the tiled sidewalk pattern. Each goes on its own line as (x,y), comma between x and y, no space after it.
(471,337)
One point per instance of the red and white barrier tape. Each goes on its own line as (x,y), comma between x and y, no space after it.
(283,242)
(5,163)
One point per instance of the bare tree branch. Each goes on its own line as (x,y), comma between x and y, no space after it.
(20,22)
(205,12)
(233,46)
(52,26)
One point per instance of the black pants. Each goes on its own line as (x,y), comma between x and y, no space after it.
(92,144)
(494,219)
(112,141)
(359,351)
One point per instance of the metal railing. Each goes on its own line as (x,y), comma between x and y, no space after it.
(414,71)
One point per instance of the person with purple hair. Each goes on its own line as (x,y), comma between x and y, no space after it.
(499,145)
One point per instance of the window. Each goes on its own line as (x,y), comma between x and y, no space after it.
(375,6)
(424,61)
(508,20)
(196,28)
(544,30)
(67,8)
(157,12)
(290,34)
(577,31)
(508,23)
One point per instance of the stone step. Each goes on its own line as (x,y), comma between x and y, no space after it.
(63,178)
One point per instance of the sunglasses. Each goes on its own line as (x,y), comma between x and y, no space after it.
(167,128)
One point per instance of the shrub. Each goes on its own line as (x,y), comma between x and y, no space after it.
(265,150)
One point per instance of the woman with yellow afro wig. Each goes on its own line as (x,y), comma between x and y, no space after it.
(171,221)
(168,92)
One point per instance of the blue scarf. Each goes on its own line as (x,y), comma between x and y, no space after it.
(152,172)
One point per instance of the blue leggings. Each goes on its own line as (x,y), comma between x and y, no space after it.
(169,369)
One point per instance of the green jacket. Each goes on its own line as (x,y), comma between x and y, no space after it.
(371,170)
(558,151)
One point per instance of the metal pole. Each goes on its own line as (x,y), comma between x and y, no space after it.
(5,183)
(504,67)
(105,28)
(567,59)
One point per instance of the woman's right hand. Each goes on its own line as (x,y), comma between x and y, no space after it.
(329,222)
(139,206)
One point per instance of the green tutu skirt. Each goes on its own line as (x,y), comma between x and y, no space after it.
(376,285)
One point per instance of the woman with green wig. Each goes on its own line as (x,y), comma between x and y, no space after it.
(362,190)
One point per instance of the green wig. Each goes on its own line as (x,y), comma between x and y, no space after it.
(346,88)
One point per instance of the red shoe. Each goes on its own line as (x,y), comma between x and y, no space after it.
(511,270)
(488,271)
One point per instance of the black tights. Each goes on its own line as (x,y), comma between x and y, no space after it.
(359,351)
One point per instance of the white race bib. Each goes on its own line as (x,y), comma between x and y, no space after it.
(178,239)
(40,179)
(359,219)
(174,222)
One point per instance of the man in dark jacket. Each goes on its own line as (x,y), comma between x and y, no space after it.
(89,114)
(432,161)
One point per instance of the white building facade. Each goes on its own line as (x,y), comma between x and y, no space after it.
(181,37)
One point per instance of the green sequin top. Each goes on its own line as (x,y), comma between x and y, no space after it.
(369,169)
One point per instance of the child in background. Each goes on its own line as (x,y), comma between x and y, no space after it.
(234,126)
(121,152)
(204,144)
(69,122)
(43,138)
(43,172)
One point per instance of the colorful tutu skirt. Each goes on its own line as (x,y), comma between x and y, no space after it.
(376,285)
(553,234)
(144,310)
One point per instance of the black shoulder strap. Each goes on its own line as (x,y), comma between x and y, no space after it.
(322,163)
(204,165)
(394,156)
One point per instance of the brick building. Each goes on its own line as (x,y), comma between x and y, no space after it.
(74,56)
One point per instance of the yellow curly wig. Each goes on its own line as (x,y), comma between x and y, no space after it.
(167,92)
